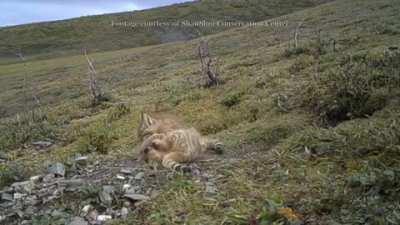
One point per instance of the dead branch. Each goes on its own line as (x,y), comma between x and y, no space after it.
(207,64)
(96,94)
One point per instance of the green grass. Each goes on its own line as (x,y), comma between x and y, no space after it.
(276,113)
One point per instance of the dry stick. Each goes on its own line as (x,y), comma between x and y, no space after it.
(206,63)
(94,89)
(296,33)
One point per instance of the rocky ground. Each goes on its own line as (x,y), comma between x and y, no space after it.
(87,192)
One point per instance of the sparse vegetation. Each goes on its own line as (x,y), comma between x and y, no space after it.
(312,133)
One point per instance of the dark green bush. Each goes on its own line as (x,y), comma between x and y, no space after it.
(232,99)
(356,87)
(289,52)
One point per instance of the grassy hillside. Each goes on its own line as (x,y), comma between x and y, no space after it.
(311,131)
(96,33)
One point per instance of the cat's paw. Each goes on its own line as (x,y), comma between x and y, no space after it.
(183,168)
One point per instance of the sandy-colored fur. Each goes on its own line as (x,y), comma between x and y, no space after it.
(150,125)
(168,143)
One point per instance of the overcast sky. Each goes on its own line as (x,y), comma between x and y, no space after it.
(14,12)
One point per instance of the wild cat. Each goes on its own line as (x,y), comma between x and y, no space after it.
(168,142)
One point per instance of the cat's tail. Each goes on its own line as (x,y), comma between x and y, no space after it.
(213,146)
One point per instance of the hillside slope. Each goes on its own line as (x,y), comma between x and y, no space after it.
(311,131)
(96,33)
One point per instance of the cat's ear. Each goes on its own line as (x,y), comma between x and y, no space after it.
(145,122)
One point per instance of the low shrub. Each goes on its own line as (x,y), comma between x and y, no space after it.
(356,87)
(231,99)
(117,112)
(97,138)
(10,173)
(25,128)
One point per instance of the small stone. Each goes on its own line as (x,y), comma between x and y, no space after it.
(81,159)
(86,209)
(25,187)
(126,187)
(31,200)
(106,195)
(139,176)
(136,197)
(127,171)
(78,221)
(124,212)
(42,144)
(211,188)
(103,218)
(57,169)
(57,213)
(127,204)
(18,196)
(7,197)
(48,178)
(133,190)
(35,179)
(92,217)
(120,177)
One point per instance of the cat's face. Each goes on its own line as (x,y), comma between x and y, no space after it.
(154,149)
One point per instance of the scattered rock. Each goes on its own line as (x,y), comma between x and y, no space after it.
(18,196)
(81,160)
(86,209)
(106,195)
(78,221)
(120,177)
(211,188)
(126,187)
(7,197)
(57,169)
(35,179)
(103,218)
(92,217)
(24,187)
(42,144)
(139,176)
(136,197)
(48,178)
(124,212)
(127,171)
(133,190)
(73,184)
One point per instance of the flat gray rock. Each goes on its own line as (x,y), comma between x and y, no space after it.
(106,195)
(7,197)
(57,169)
(139,176)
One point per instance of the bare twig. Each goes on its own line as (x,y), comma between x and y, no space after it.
(207,64)
(94,89)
